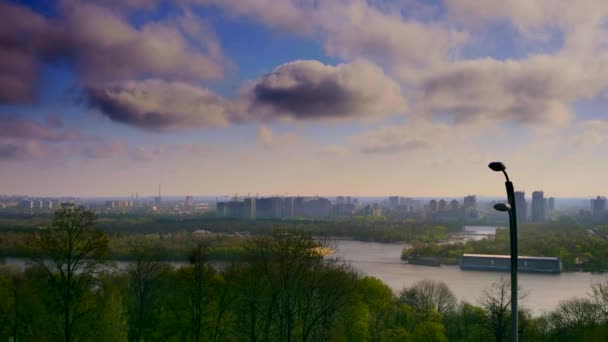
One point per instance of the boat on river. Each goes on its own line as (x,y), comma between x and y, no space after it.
(426,261)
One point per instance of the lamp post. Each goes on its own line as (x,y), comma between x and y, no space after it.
(511,209)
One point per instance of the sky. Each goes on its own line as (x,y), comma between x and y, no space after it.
(303,97)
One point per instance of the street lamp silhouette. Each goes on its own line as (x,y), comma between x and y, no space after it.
(511,210)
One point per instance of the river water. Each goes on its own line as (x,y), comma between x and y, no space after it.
(383,260)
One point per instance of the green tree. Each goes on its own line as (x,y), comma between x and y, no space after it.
(427,295)
(13,318)
(71,252)
(496,302)
(145,274)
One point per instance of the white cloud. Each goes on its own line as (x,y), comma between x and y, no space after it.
(537,90)
(415,136)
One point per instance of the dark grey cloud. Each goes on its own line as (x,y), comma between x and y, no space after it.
(311,90)
(158,105)
(26,39)
(103,46)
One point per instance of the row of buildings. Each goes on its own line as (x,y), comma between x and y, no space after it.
(343,206)
(540,207)
(282,207)
(50,204)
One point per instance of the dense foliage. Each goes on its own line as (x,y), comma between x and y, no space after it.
(358,228)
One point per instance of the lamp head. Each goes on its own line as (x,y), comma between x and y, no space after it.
(502,207)
(497,166)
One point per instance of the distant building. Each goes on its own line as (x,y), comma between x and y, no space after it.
(538,206)
(288,207)
(470,202)
(598,206)
(315,207)
(521,206)
(343,210)
(393,201)
(550,205)
(433,206)
(26,204)
(250,208)
(119,204)
(276,207)
(442,206)
(271,207)
(454,205)
(221,209)
(189,202)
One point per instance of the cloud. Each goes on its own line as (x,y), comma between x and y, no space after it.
(103,149)
(54,120)
(286,15)
(528,16)
(130,5)
(156,104)
(25,129)
(25,39)
(411,137)
(354,29)
(334,151)
(106,47)
(589,134)
(22,150)
(308,89)
(300,90)
(103,45)
(581,25)
(266,138)
(537,90)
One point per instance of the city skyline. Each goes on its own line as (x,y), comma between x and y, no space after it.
(368,98)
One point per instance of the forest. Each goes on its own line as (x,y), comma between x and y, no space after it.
(359,228)
(284,290)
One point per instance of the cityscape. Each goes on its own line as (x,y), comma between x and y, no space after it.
(536,208)
(303,170)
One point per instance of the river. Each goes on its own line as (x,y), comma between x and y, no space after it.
(382,260)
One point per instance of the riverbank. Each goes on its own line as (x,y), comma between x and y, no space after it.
(579,249)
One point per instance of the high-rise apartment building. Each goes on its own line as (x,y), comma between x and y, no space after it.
(393,201)
(598,206)
(538,206)
(470,202)
(521,206)
(550,204)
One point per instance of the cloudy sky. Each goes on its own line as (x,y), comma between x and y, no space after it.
(327,97)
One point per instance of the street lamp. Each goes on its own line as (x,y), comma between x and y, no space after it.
(511,209)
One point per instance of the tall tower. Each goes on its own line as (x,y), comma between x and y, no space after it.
(157,200)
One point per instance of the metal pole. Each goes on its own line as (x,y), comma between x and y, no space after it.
(514,259)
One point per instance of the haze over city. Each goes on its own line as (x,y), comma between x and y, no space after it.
(366,98)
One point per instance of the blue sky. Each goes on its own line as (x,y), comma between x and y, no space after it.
(356,97)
